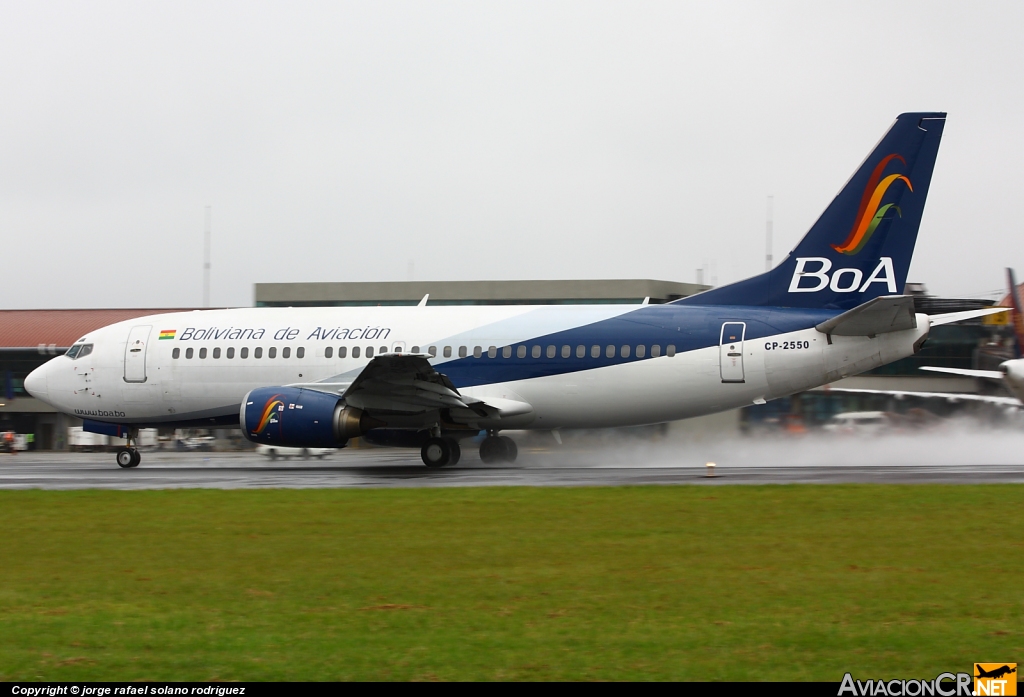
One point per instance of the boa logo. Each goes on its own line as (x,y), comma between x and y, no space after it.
(871,211)
(840,280)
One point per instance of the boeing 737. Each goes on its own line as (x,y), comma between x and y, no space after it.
(429,376)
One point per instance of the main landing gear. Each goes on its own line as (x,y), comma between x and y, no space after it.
(495,448)
(438,452)
(127,455)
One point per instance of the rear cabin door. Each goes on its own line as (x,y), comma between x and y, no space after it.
(135,354)
(730,351)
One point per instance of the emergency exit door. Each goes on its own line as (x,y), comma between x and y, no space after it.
(135,354)
(730,351)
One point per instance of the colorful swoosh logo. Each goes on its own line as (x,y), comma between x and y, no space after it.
(871,211)
(268,411)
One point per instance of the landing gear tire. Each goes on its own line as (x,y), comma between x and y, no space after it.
(305,453)
(436,452)
(456,451)
(494,449)
(511,449)
(128,458)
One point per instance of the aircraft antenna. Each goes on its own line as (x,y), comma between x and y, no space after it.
(768,235)
(206,261)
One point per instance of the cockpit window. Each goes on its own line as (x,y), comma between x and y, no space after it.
(79,351)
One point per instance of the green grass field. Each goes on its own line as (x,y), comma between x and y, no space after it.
(706,583)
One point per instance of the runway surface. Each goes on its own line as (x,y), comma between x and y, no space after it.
(402,468)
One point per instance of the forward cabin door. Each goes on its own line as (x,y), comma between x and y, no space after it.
(135,354)
(730,351)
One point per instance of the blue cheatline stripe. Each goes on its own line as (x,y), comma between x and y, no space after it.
(686,327)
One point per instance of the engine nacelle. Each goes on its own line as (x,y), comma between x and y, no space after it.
(300,418)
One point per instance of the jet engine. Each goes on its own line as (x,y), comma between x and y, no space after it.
(301,418)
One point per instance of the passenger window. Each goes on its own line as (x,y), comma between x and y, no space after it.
(329,351)
(492,352)
(521,352)
(447,351)
(581,351)
(355,352)
(595,351)
(176,353)
(231,352)
(202,352)
(535,352)
(462,352)
(383,349)
(300,352)
(244,353)
(641,351)
(550,353)
(272,352)
(286,352)
(257,352)
(216,352)
(86,350)
(566,351)
(655,351)
(670,350)
(432,351)
(369,352)
(625,351)
(506,352)
(414,349)
(343,351)
(610,352)
(188,353)
(477,352)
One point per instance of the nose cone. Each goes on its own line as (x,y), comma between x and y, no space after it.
(36,384)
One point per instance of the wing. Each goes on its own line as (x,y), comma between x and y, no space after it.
(407,385)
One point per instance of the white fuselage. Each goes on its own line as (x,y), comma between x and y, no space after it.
(577,376)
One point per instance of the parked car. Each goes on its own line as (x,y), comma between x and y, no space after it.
(276,451)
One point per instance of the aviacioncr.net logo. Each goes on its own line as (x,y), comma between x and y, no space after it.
(943,685)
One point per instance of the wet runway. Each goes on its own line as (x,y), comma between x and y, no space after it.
(402,468)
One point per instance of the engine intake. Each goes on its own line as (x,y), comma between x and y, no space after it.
(301,418)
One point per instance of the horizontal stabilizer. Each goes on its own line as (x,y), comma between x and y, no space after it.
(951,317)
(889,313)
(990,374)
(952,397)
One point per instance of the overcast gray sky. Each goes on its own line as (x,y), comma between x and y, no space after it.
(445,140)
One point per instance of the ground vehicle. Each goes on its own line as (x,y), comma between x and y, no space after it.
(276,451)
(860,423)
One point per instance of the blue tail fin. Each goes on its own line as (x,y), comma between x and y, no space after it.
(860,247)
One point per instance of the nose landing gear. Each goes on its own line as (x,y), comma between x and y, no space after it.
(128,456)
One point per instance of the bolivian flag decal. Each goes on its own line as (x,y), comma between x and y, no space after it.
(167,333)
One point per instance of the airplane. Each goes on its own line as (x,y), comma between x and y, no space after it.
(1011,372)
(429,377)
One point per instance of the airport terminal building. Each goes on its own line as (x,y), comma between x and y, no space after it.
(29,338)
